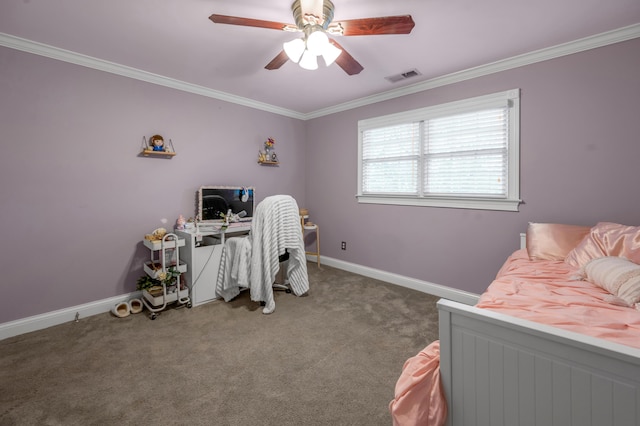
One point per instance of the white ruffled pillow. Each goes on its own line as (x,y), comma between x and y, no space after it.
(617,275)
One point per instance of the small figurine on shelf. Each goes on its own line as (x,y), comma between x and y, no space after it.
(180,222)
(157,142)
(157,147)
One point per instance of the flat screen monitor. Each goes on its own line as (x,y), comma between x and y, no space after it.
(214,201)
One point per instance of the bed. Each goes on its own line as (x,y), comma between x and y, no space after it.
(554,340)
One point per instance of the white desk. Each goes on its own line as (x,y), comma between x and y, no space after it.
(202,253)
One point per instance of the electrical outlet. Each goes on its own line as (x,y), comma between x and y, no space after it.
(343,246)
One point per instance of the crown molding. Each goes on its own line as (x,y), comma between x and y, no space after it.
(48,51)
(580,45)
(587,43)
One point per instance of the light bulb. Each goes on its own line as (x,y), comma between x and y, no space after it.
(309,61)
(294,49)
(330,53)
(316,42)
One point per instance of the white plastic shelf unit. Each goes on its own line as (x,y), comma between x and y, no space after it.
(164,256)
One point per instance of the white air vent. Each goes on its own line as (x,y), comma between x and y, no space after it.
(403,76)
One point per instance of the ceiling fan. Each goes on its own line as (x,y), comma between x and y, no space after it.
(314,18)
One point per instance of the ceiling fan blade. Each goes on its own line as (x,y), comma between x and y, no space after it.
(278,61)
(402,24)
(248,22)
(346,61)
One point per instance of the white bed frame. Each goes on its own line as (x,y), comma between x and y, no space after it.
(499,370)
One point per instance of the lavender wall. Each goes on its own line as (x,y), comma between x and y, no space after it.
(580,148)
(76,197)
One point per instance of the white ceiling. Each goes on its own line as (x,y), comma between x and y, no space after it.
(175,39)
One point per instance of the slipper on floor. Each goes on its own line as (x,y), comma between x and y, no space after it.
(121,310)
(135,306)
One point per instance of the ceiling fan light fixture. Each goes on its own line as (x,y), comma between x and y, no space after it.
(317,41)
(330,54)
(309,61)
(294,49)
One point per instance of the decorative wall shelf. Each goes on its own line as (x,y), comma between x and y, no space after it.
(157,147)
(268,157)
(150,152)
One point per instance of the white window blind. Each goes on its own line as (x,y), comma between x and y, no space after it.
(390,159)
(462,154)
(467,154)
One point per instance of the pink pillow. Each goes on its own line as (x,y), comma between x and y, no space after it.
(553,241)
(607,239)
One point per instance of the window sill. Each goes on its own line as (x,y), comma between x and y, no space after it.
(501,204)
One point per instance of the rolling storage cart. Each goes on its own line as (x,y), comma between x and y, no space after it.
(165,257)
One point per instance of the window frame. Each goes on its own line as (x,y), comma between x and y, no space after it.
(509,98)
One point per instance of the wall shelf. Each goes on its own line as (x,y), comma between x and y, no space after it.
(268,157)
(150,152)
(162,149)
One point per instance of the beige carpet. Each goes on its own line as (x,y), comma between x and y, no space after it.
(331,358)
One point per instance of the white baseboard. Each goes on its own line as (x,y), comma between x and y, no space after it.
(412,283)
(49,319)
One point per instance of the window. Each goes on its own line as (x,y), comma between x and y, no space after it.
(462,154)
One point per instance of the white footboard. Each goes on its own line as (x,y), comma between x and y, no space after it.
(500,370)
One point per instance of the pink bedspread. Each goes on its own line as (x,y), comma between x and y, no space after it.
(419,399)
(542,291)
